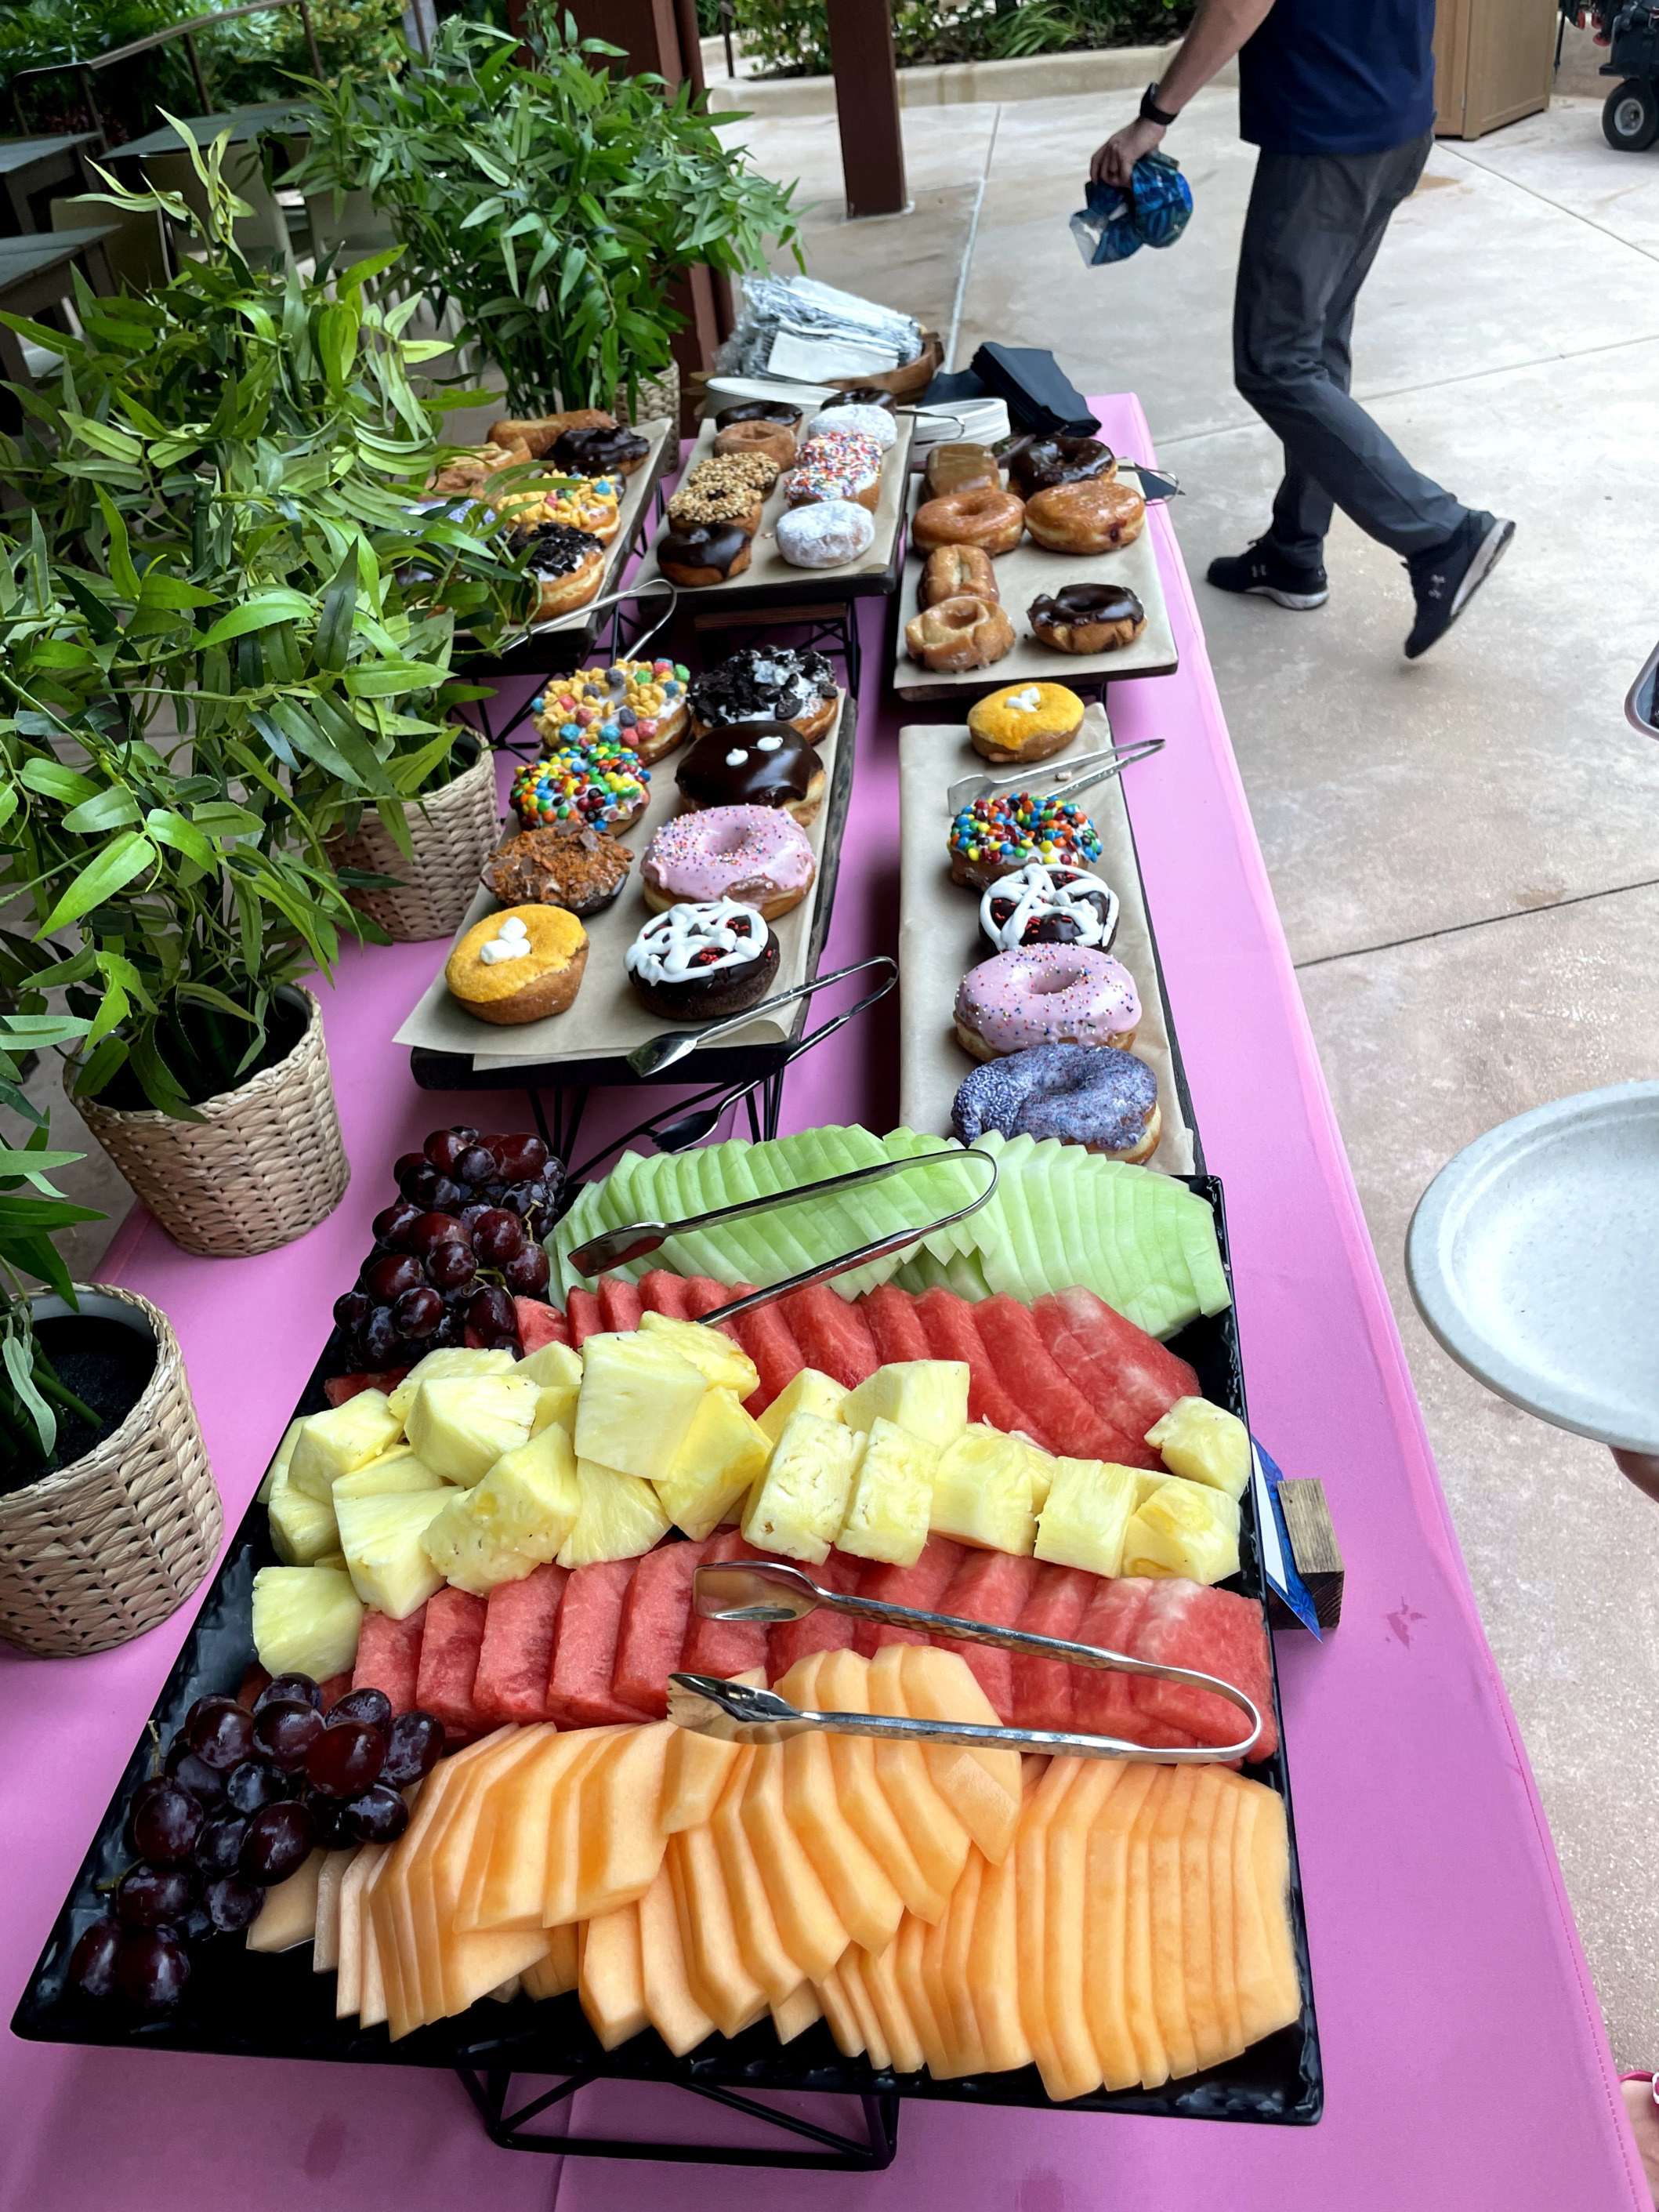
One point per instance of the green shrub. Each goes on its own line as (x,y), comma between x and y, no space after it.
(791,37)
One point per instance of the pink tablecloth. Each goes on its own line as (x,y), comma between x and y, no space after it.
(1465,2065)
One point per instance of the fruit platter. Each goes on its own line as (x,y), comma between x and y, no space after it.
(412,1793)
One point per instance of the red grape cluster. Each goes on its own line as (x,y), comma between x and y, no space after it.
(453,1251)
(244,1798)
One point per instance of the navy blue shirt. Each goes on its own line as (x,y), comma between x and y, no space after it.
(1337,77)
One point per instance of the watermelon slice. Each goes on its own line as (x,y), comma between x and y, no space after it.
(1215,1632)
(583,1313)
(724,1648)
(890,1317)
(389,1656)
(656,1613)
(1036,1381)
(1123,1446)
(821,1630)
(949,1324)
(922,1586)
(450,1644)
(520,1620)
(340,1388)
(1101,1703)
(992,1586)
(1043,1688)
(703,1294)
(1134,1379)
(665,1294)
(539,1323)
(620,1304)
(579,1692)
(766,1337)
(833,1336)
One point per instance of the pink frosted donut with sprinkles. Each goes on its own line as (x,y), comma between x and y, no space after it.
(759,856)
(841,465)
(1046,994)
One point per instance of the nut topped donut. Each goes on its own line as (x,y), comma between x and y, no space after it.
(767,683)
(1035,464)
(1036,905)
(1046,994)
(1010,829)
(1096,1096)
(1024,722)
(700,959)
(634,703)
(754,855)
(602,784)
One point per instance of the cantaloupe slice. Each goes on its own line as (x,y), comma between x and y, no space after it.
(1105,1926)
(716,1973)
(1222,1954)
(1066,2061)
(797,2013)
(620,1840)
(288,1914)
(1269,1997)
(993,1969)
(765,1957)
(507,1882)
(474,1961)
(555,1976)
(843,1686)
(906,1952)
(371,2009)
(325,1945)
(1030,1901)
(1139,1999)
(880,1979)
(982,1787)
(851,1973)
(1204,2014)
(857,1885)
(407,1931)
(839,2011)
(1172,1794)
(931,1826)
(611,1976)
(811,1929)
(673,2011)
(561,1866)
(349,1989)
(943,1967)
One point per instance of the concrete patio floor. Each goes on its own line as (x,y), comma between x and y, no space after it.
(1465,849)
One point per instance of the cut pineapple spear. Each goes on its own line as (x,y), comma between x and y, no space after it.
(1089,1506)
(452,1360)
(301,1530)
(556,1371)
(618,1517)
(927,1397)
(722,1363)
(460,1425)
(1204,1443)
(341,1440)
(637,1403)
(1183,1529)
(277,1471)
(305,1620)
(382,1537)
(797,1507)
(512,1521)
(725,1450)
(809,1392)
(983,1492)
(892,1496)
(399,1469)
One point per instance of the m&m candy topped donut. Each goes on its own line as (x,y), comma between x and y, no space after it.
(602,785)
(637,704)
(996,836)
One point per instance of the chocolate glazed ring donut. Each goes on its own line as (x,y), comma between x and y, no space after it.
(760,410)
(1038,463)
(862,395)
(706,554)
(599,453)
(1087,618)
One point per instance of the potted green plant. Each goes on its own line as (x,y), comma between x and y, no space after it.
(109,1516)
(551,205)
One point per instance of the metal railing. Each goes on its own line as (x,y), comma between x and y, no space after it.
(85,70)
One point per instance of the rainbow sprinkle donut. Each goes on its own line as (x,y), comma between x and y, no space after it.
(638,703)
(995,835)
(601,784)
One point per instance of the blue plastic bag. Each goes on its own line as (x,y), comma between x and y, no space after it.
(1154,211)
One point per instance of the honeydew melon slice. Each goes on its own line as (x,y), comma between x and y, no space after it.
(573,1228)
(781,1232)
(939,1184)
(1097,1257)
(1161,1201)
(1195,1224)
(1151,1301)
(1019,1256)
(851,1218)
(692,1184)
(993,1242)
(763,1248)
(1045,1183)
(1077,1256)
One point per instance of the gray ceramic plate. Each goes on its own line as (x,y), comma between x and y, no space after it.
(1534,1257)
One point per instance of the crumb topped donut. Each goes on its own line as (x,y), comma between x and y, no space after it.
(1024,722)
(993,521)
(570,865)
(602,784)
(767,683)
(519,966)
(995,835)
(1037,905)
(1046,994)
(698,960)
(1096,1096)
(754,855)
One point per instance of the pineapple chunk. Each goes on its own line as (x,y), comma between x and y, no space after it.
(305,1620)
(301,1528)
(556,1366)
(381,1539)
(1044,1468)
(928,1397)
(1089,1504)
(638,1401)
(1204,1443)
(892,1495)
(797,1507)
(618,1517)
(460,1425)
(725,1450)
(809,1392)
(1184,1528)
(983,1492)
(511,1521)
(724,1364)
(1147,1480)
(341,1440)
(277,1471)
(336,1558)
(451,1360)
(399,1469)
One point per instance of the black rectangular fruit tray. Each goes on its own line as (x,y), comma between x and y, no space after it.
(244,2004)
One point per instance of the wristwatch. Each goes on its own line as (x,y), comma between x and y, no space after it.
(1150,112)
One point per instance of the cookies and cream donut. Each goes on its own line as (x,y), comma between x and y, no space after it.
(767,683)
(1087,618)
(1046,994)
(841,465)
(1035,464)
(570,865)
(875,422)
(1024,722)
(959,633)
(1009,829)
(771,441)
(957,572)
(959,465)
(1096,1096)
(754,855)
(639,703)
(826,535)
(1039,905)
(519,966)
(700,959)
(704,553)
(567,564)
(753,764)
(1097,515)
(993,521)
(600,451)
(603,784)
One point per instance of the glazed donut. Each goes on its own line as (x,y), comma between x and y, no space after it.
(761,411)
(958,634)
(767,683)
(1035,464)
(1087,618)
(571,865)
(1046,994)
(1024,722)
(753,764)
(568,566)
(754,855)
(599,451)
(1095,1096)
(993,520)
(1039,905)
(955,572)
(634,703)
(602,785)
(519,966)
(844,465)
(825,535)
(771,441)
(695,961)
(863,395)
(1096,516)
(873,422)
(540,432)
(958,466)
(995,835)
(707,554)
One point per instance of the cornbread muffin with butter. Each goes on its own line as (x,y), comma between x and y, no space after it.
(520,965)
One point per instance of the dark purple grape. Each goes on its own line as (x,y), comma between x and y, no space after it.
(418,1312)
(496,1236)
(428,1231)
(253,1784)
(91,1962)
(154,1897)
(414,1745)
(449,1197)
(451,1330)
(527,1272)
(451,1266)
(445,1147)
(379,1337)
(470,1216)
(418,1183)
(520,1159)
(283,1730)
(346,1759)
(352,1311)
(219,1846)
(232,1903)
(392,1224)
(189,1772)
(491,1314)
(476,1165)
(392,1274)
(195,1924)
(405,1163)
(280,1839)
(166,1821)
(152,1968)
(379,1816)
(219,1732)
(283,1687)
(368,1703)
(328,1813)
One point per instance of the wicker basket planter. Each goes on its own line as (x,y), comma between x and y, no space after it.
(265,1163)
(454,831)
(102,1550)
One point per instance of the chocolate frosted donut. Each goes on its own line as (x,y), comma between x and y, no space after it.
(600,453)
(1087,618)
(708,553)
(760,410)
(1089,1095)
(863,395)
(1035,464)
(753,764)
(1036,905)
(767,682)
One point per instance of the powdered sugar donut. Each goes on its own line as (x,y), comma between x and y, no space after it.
(1046,994)
(825,535)
(869,422)
(759,856)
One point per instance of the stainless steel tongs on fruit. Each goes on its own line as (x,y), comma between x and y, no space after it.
(1063,777)
(767,1591)
(618,1247)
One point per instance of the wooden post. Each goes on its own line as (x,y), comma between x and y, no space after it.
(868,106)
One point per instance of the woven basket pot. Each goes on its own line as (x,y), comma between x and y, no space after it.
(454,831)
(99,1551)
(263,1165)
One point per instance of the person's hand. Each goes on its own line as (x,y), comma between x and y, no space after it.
(1115,159)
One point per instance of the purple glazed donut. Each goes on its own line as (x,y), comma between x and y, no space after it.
(1088,1095)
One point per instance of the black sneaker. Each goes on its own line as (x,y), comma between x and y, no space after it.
(1444,580)
(1265,571)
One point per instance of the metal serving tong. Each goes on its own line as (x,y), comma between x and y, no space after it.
(653,587)
(762,1590)
(1064,776)
(658,1053)
(616,1247)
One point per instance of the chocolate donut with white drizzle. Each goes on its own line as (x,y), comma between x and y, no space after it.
(697,962)
(1039,905)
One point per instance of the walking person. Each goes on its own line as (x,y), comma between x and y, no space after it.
(1339,95)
